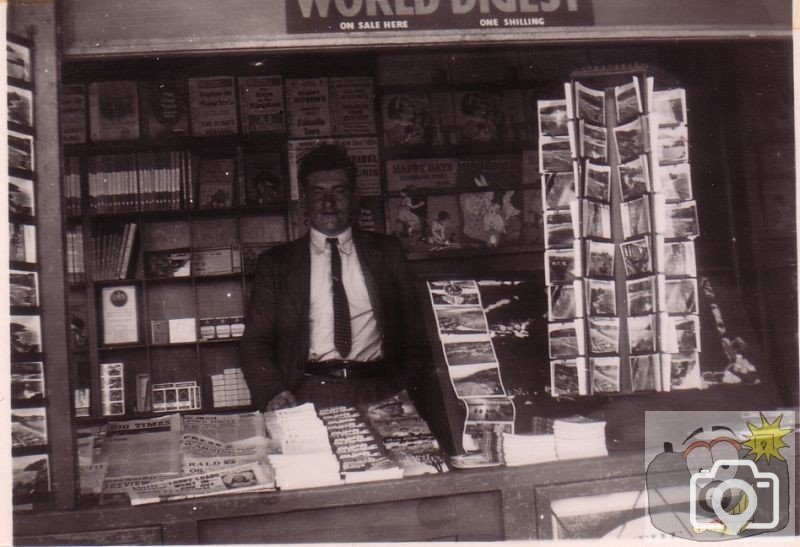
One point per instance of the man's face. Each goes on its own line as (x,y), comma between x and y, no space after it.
(330,201)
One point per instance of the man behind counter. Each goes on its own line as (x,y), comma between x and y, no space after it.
(332,317)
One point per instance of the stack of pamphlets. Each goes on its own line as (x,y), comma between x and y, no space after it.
(527,449)
(579,437)
(406,437)
(358,451)
(305,459)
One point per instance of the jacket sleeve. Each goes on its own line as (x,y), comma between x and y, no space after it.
(259,344)
(414,349)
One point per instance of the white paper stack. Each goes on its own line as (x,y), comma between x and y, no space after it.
(527,449)
(306,459)
(579,437)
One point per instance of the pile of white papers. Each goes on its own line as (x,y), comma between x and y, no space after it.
(306,459)
(579,437)
(527,449)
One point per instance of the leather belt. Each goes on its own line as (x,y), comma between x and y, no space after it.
(341,369)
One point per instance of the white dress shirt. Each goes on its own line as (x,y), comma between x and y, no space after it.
(366,337)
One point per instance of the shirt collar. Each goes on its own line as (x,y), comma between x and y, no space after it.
(319,241)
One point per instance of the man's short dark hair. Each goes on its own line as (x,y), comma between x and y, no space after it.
(327,157)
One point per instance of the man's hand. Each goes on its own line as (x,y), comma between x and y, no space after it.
(284,399)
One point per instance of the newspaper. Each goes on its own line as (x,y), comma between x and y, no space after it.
(171,422)
(250,477)
(225,427)
(201,445)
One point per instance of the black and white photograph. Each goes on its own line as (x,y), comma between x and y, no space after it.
(681,295)
(21,199)
(602,297)
(629,139)
(673,144)
(645,373)
(23,288)
(628,99)
(600,258)
(20,106)
(687,332)
(477,380)
(676,182)
(637,257)
(553,118)
(469,353)
(30,477)
(454,293)
(561,265)
(26,335)
(567,377)
(604,334)
(20,151)
(669,106)
(679,259)
(538,218)
(605,374)
(596,220)
(634,178)
(566,339)
(597,182)
(559,227)
(555,155)
(489,410)
(27,381)
(461,320)
(594,142)
(636,217)
(642,334)
(18,59)
(685,371)
(591,104)
(641,296)
(28,427)
(565,301)
(559,189)
(682,220)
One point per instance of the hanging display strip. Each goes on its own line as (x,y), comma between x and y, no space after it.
(473,367)
(620,220)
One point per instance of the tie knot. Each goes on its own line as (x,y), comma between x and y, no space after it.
(333,241)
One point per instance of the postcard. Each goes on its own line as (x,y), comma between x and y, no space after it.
(634,178)
(591,104)
(597,182)
(602,297)
(469,353)
(682,220)
(629,139)
(637,257)
(641,334)
(669,107)
(635,217)
(594,142)
(555,154)
(605,374)
(481,409)
(565,301)
(461,320)
(676,182)
(26,334)
(552,117)
(23,288)
(477,380)
(558,189)
(454,293)
(681,295)
(673,144)
(628,98)
(641,296)
(559,228)
(600,258)
(679,259)
(604,334)
(27,381)
(596,220)
(562,265)
(568,377)
(566,339)
(28,427)
(687,332)
(685,371)
(645,373)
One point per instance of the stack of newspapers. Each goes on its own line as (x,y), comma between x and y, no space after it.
(579,437)
(305,459)
(527,449)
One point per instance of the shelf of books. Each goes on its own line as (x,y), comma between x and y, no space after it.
(29,438)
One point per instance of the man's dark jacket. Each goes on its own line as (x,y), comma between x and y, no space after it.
(274,348)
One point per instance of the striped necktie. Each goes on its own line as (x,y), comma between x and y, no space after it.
(342,336)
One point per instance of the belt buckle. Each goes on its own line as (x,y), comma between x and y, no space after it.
(343,372)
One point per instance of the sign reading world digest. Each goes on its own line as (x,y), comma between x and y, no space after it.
(337,16)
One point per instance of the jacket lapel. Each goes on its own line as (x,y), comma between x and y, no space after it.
(371,259)
(298,282)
